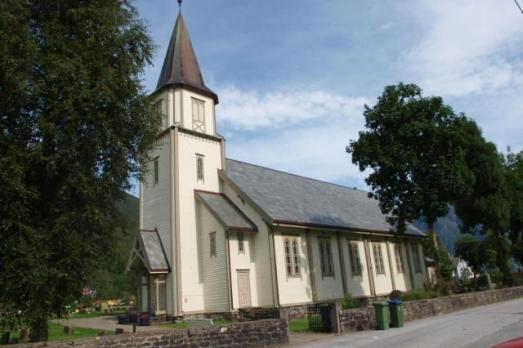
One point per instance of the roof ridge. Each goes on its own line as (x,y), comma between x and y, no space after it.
(300,176)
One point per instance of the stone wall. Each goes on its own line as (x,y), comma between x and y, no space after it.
(253,334)
(364,318)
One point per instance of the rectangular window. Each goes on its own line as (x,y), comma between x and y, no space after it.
(198,115)
(417,260)
(355,261)
(156,170)
(326,257)
(241,244)
(399,258)
(212,244)
(292,257)
(199,167)
(158,108)
(378,258)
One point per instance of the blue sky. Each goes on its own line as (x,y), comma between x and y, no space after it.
(293,75)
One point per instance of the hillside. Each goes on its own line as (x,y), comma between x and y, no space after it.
(447,228)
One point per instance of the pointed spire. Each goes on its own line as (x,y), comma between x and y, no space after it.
(180,67)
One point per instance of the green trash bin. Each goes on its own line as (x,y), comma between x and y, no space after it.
(396,313)
(382,315)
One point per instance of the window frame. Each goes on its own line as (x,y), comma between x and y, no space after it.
(156,170)
(416,258)
(198,117)
(291,255)
(356,267)
(241,242)
(200,168)
(400,265)
(377,252)
(326,259)
(212,244)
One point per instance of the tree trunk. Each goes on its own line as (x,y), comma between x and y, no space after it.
(39,329)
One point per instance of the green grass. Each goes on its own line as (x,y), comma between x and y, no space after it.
(182,325)
(414,295)
(299,325)
(93,315)
(56,333)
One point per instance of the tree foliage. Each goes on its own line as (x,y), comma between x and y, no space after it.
(416,148)
(75,124)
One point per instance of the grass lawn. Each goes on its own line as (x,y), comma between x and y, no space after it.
(56,333)
(182,325)
(299,325)
(93,315)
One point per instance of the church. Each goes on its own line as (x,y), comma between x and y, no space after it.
(217,235)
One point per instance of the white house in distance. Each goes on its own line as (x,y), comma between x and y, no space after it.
(218,234)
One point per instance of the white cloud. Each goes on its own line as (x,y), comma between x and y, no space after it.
(240,109)
(467,46)
(283,140)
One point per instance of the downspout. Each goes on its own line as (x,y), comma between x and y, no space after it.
(274,270)
(312,274)
(370,273)
(342,263)
(387,244)
(229,277)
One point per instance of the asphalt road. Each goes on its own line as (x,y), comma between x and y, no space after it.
(478,327)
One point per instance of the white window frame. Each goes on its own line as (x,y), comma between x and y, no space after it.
(156,170)
(379,265)
(355,260)
(160,297)
(416,258)
(212,244)
(198,115)
(400,266)
(241,242)
(292,257)
(200,167)
(326,263)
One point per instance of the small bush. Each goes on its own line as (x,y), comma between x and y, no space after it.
(350,302)
(395,294)
(418,295)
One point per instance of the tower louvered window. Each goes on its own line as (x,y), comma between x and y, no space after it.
(198,115)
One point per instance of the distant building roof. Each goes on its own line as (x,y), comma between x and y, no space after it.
(180,67)
(293,199)
(225,211)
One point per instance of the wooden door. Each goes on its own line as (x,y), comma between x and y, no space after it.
(244,288)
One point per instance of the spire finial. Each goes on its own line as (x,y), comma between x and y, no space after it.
(180,4)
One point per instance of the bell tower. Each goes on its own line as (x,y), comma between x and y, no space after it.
(187,157)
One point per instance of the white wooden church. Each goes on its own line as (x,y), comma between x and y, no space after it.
(218,234)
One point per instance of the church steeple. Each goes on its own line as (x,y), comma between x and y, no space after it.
(180,67)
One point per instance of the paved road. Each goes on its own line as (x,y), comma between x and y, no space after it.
(478,327)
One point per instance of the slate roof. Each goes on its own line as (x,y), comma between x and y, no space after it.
(288,198)
(153,252)
(225,211)
(180,67)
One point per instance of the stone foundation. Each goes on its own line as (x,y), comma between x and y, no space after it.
(252,334)
(364,318)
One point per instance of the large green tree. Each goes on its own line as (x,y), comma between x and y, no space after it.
(415,148)
(514,174)
(75,124)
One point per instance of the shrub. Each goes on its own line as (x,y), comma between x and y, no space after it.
(395,294)
(418,295)
(350,302)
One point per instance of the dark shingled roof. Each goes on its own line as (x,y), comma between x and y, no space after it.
(225,211)
(180,67)
(151,245)
(295,199)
